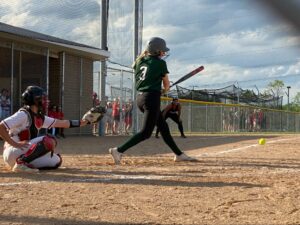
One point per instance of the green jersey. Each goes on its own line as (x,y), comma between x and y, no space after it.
(149,72)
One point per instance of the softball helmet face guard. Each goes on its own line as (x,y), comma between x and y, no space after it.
(157,45)
(35,95)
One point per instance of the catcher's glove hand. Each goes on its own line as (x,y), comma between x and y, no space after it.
(95,114)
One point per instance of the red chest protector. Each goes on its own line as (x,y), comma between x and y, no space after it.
(36,122)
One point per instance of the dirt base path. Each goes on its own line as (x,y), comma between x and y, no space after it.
(236,181)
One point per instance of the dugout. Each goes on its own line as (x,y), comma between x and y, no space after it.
(63,68)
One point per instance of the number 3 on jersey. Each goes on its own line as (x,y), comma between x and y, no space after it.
(143,72)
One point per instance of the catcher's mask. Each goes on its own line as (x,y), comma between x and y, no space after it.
(35,95)
(175,101)
(156,45)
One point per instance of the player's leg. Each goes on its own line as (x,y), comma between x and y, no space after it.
(157,132)
(151,112)
(149,104)
(166,135)
(176,119)
(157,128)
(47,162)
(36,150)
(10,154)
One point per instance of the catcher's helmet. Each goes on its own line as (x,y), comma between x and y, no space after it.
(156,45)
(33,95)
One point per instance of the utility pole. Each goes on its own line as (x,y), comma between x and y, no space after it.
(138,21)
(104,18)
(288,97)
(288,106)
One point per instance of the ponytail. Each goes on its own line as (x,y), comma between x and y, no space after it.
(140,57)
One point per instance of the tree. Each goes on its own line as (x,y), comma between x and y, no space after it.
(294,105)
(296,99)
(276,88)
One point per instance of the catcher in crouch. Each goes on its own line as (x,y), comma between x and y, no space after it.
(24,148)
(173,111)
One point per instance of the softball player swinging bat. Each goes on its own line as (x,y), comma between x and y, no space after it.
(25,150)
(150,73)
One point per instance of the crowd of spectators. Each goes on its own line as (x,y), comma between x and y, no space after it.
(243,119)
(56,112)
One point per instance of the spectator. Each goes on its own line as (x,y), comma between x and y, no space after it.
(5,103)
(260,117)
(60,116)
(96,102)
(116,115)
(52,114)
(102,123)
(95,99)
(109,121)
(128,116)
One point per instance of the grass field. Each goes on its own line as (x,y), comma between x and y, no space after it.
(236,181)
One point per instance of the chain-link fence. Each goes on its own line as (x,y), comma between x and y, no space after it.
(203,117)
(119,101)
(213,117)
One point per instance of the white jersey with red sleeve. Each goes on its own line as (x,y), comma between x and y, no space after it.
(16,124)
(21,121)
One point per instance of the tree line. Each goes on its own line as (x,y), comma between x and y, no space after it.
(278,88)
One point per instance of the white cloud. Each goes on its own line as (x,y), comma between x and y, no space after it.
(19,20)
(234,40)
(15,5)
(122,22)
(87,33)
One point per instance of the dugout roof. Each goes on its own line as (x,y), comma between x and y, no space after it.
(54,44)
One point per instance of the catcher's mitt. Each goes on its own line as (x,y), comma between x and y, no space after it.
(95,114)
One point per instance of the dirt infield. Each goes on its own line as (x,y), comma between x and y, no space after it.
(236,181)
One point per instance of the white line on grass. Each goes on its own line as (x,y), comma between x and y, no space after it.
(242,148)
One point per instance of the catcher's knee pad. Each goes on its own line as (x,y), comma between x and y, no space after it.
(47,144)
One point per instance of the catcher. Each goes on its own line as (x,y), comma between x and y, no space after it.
(25,150)
(173,111)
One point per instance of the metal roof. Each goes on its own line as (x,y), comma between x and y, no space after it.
(95,53)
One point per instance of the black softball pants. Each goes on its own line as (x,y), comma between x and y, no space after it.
(149,104)
(175,118)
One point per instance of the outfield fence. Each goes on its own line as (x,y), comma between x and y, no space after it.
(217,117)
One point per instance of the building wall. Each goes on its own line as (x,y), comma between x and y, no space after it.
(78,87)
(55,83)
(76,95)
(87,91)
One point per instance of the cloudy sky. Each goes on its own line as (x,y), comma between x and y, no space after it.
(238,41)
